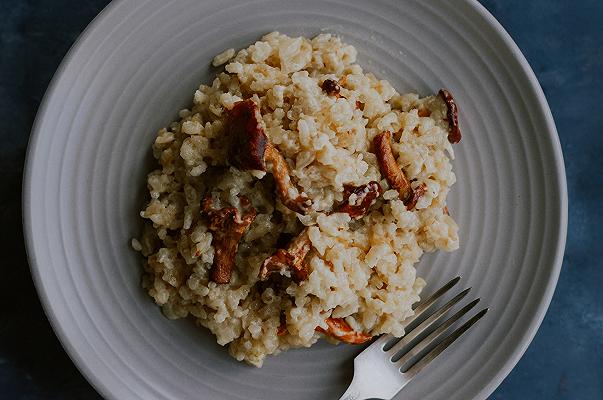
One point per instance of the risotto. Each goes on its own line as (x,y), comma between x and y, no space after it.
(292,200)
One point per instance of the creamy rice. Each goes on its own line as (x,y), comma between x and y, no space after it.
(359,270)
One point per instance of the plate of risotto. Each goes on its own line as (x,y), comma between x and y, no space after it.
(230,200)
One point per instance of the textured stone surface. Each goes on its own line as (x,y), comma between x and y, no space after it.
(563,41)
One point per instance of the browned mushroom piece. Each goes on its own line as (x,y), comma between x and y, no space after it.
(247,137)
(364,197)
(330,87)
(341,330)
(452,114)
(389,166)
(227,227)
(251,149)
(446,212)
(280,171)
(282,328)
(291,258)
(417,193)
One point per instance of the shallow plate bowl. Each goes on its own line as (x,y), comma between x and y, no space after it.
(139,63)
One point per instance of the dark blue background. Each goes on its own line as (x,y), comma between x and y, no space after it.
(562,40)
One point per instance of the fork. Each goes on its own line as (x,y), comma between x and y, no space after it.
(387,365)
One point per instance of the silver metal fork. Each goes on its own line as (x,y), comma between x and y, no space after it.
(387,365)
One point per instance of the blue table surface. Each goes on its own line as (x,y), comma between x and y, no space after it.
(562,40)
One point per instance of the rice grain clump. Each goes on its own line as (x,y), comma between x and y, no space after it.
(276,215)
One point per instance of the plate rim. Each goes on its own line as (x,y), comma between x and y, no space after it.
(84,366)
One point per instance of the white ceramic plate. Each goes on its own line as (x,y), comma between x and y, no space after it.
(139,62)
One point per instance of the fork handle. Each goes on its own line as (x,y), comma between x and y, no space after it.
(373,378)
(355,392)
(351,394)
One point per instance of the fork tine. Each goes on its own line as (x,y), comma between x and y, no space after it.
(427,358)
(421,307)
(424,305)
(430,321)
(429,339)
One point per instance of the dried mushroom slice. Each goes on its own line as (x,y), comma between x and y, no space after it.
(250,149)
(393,173)
(358,199)
(452,114)
(389,166)
(247,137)
(282,327)
(279,169)
(227,227)
(341,330)
(330,87)
(417,193)
(290,259)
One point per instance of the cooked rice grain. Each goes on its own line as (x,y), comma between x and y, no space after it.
(359,270)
